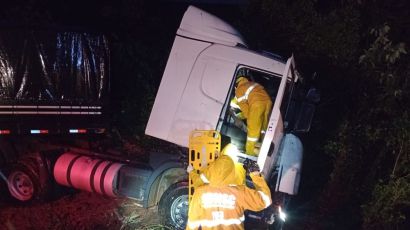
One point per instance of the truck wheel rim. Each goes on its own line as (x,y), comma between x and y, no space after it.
(179,211)
(20,186)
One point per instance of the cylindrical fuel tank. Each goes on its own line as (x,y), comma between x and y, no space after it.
(87,173)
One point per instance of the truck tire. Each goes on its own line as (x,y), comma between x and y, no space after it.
(24,182)
(173,206)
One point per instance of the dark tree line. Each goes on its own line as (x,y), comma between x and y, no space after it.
(361,135)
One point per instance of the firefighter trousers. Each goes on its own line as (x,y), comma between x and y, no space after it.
(257,122)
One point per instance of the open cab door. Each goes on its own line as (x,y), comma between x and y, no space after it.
(268,154)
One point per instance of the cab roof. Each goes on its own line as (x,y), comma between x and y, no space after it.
(198,24)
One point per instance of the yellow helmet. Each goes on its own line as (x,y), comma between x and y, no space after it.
(241,78)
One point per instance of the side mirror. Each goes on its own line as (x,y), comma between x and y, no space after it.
(313,95)
(307,110)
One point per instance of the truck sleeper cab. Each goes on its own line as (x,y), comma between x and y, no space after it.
(198,84)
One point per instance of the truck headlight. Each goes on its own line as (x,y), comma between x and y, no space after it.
(282,215)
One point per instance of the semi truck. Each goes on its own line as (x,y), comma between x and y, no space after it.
(54,103)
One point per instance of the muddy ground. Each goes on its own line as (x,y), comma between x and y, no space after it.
(77,210)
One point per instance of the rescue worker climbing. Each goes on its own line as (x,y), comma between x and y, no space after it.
(220,203)
(200,178)
(255,105)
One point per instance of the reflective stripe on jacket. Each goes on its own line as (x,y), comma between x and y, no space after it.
(248,93)
(220,204)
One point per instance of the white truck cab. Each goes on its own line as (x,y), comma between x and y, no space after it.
(198,84)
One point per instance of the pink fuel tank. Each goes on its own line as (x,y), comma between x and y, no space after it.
(87,173)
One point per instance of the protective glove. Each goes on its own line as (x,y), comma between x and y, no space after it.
(240,116)
(189,169)
(251,166)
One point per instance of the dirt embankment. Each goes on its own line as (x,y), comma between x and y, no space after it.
(78,211)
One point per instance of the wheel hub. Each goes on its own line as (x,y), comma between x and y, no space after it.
(20,186)
(179,210)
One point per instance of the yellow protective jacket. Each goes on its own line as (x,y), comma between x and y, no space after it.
(256,94)
(255,105)
(201,178)
(221,204)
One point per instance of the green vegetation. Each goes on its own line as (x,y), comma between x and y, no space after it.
(362,124)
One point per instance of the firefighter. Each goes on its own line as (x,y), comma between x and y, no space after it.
(220,203)
(255,105)
(201,178)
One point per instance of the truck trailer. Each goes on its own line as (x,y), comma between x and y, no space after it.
(54,103)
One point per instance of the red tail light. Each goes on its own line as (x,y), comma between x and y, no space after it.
(4,131)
